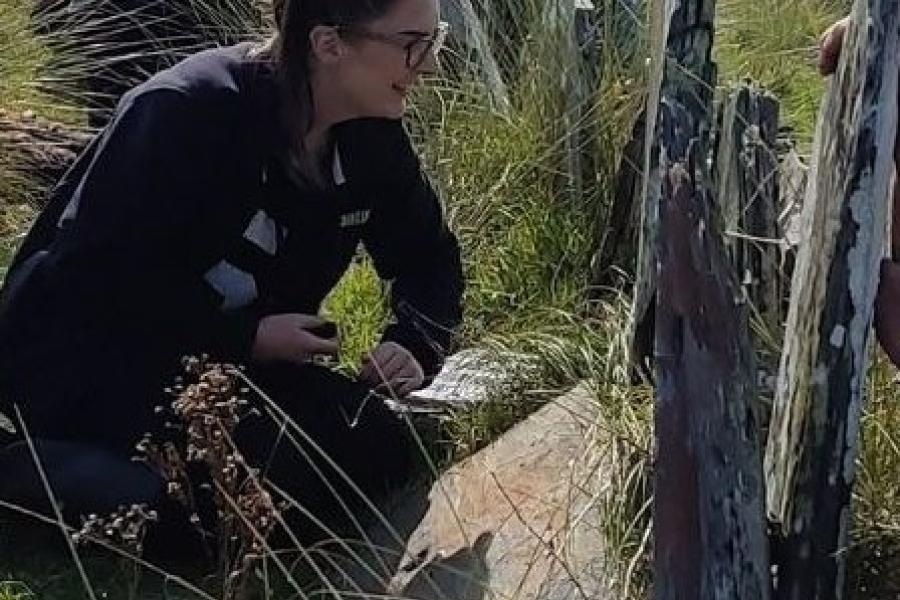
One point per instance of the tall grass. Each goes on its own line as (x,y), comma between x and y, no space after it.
(776,44)
(23,56)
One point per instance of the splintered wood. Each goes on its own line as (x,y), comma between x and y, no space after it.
(814,436)
(710,538)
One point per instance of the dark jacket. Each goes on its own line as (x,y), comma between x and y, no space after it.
(178,229)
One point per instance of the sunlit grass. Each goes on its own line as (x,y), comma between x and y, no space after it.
(358,305)
(23,56)
(775,44)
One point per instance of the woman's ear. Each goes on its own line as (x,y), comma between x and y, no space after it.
(325,44)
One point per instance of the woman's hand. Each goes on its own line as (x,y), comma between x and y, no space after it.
(286,338)
(830,45)
(392,365)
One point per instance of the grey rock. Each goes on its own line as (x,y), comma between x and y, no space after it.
(520,519)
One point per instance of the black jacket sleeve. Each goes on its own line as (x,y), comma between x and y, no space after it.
(122,272)
(412,246)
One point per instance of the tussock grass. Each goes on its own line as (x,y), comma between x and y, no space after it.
(23,56)
(12,590)
(776,44)
(874,557)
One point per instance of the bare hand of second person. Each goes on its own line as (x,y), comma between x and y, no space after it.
(830,45)
(288,338)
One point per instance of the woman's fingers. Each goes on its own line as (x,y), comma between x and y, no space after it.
(393,366)
(412,381)
(285,337)
(313,344)
(382,365)
(304,321)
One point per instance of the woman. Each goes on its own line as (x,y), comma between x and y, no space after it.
(214,214)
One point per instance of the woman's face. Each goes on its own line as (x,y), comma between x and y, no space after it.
(384,59)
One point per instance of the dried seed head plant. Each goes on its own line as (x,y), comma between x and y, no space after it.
(198,457)
(124,528)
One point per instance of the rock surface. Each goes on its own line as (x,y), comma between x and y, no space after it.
(520,519)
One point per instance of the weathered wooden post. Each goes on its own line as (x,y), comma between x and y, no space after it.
(644,301)
(466,27)
(746,174)
(581,83)
(620,234)
(572,27)
(710,538)
(814,437)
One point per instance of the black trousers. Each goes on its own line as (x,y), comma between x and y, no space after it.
(314,434)
(341,446)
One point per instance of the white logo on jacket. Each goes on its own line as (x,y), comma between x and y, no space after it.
(352,219)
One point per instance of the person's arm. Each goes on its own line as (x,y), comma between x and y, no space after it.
(413,247)
(130,241)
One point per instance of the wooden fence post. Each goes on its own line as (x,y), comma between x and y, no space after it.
(814,437)
(572,24)
(467,28)
(746,173)
(581,83)
(619,241)
(640,343)
(710,538)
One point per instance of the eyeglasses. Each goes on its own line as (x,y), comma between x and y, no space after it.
(417,49)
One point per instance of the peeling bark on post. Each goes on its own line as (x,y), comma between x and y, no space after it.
(747,192)
(619,242)
(681,67)
(710,535)
(640,343)
(814,438)
(792,178)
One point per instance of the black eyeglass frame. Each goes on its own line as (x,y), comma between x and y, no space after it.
(434,41)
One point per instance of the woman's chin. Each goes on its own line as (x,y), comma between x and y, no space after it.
(396,110)
(389,110)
